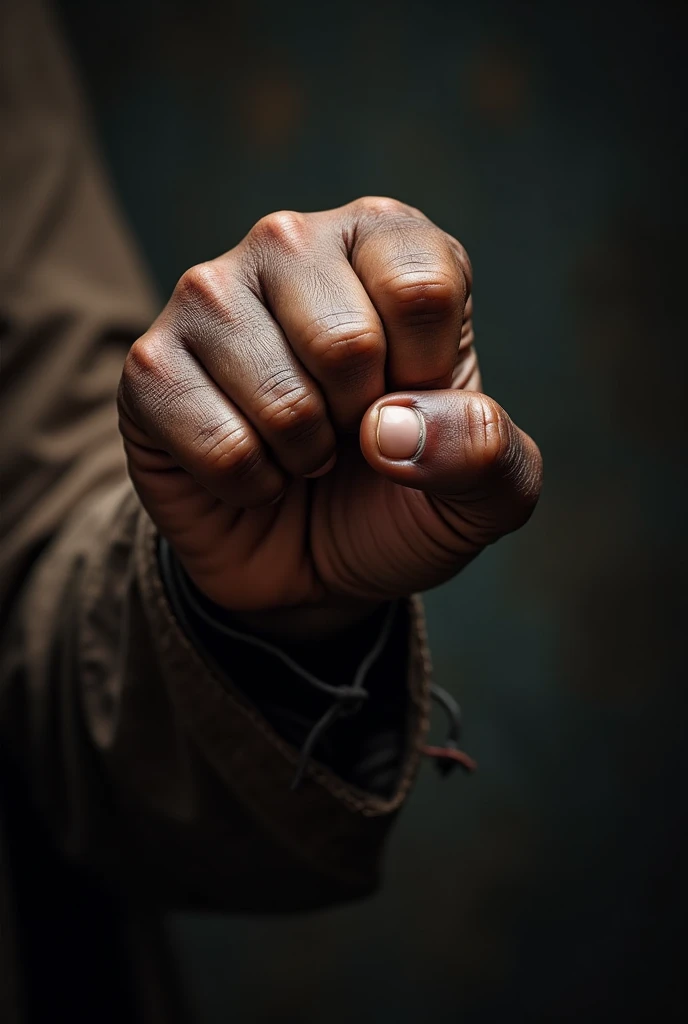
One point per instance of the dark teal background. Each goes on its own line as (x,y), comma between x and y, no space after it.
(549,138)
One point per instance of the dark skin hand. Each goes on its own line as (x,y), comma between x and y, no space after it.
(252,418)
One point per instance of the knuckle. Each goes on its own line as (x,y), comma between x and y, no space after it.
(291,410)
(341,341)
(227,448)
(154,381)
(424,295)
(144,358)
(201,285)
(143,374)
(381,206)
(284,229)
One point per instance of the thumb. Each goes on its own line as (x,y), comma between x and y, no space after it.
(482,473)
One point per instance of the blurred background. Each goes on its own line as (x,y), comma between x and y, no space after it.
(549,137)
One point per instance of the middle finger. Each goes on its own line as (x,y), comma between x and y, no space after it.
(419,280)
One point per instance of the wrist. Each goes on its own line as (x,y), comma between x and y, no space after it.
(302,624)
(328,641)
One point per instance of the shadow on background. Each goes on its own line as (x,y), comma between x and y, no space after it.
(549,139)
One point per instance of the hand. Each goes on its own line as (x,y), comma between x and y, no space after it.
(304,424)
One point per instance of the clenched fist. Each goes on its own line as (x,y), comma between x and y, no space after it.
(304,423)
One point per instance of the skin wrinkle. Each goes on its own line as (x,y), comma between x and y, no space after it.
(457,524)
(356,318)
(239,463)
(484,428)
(277,380)
(209,434)
(239,329)
(397,270)
(286,412)
(359,345)
(426,302)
